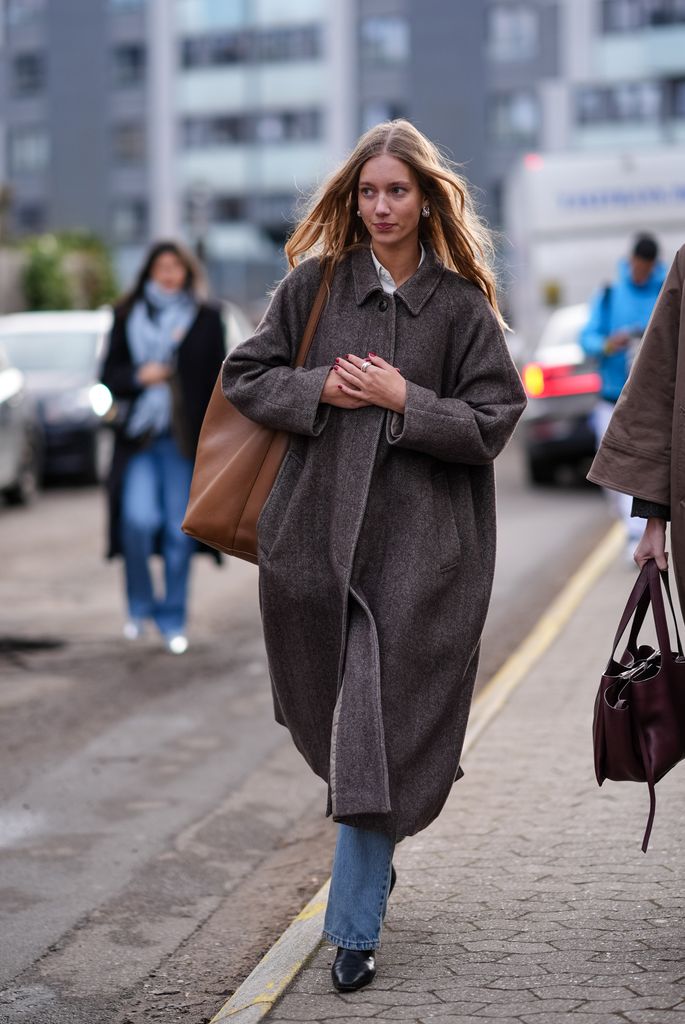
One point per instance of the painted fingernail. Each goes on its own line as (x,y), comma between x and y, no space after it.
(340,387)
(337,369)
(372,354)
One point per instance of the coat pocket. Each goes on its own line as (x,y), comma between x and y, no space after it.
(447,535)
(273,515)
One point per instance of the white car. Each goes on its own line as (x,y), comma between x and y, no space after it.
(59,355)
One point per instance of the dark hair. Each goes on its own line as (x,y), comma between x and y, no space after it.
(646,248)
(194,282)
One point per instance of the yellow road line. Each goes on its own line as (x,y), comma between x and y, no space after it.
(253,1000)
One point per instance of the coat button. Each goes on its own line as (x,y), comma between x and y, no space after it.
(383,305)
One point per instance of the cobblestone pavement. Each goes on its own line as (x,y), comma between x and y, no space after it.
(529,901)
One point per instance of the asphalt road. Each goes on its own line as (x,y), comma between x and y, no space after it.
(157,830)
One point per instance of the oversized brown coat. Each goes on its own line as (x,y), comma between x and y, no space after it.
(643,450)
(377,542)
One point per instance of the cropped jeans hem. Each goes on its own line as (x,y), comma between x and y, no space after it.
(338,940)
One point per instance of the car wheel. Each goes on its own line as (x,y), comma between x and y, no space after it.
(542,471)
(25,488)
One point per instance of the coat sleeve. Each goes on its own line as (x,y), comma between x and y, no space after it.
(258,376)
(473,424)
(634,456)
(593,335)
(118,372)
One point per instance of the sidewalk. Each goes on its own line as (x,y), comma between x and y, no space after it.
(529,901)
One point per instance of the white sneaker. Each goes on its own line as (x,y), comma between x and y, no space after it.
(133,629)
(177,644)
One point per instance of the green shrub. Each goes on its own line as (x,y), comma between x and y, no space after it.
(44,279)
(67,270)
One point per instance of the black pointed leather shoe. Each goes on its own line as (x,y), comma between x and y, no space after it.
(353,968)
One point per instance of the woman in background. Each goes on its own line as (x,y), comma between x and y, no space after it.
(165,351)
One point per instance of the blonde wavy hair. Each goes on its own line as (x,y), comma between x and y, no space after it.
(330,226)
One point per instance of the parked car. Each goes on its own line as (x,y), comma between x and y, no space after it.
(562,385)
(59,354)
(20,437)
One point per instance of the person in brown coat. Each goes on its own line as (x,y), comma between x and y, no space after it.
(377,542)
(643,450)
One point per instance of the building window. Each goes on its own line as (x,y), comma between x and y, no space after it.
(128,143)
(278,44)
(678,99)
(376,111)
(630,15)
(627,102)
(30,216)
(29,150)
(268,127)
(128,64)
(23,12)
(227,209)
(515,118)
(129,221)
(28,74)
(385,40)
(513,33)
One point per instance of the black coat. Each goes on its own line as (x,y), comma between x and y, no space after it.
(200,356)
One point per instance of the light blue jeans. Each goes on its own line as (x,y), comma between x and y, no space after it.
(360,882)
(154,499)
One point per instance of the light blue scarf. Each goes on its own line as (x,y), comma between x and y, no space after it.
(154,339)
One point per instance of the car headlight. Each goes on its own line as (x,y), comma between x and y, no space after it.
(77,406)
(100,399)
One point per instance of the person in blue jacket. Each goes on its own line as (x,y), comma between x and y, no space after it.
(618,318)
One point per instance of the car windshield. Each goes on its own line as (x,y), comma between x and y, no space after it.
(564,327)
(52,350)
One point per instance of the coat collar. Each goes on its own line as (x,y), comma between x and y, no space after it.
(414,293)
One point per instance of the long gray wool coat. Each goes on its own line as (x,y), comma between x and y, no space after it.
(377,542)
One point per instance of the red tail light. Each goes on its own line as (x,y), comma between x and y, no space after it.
(551,381)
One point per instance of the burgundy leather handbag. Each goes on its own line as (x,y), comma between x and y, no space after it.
(639,721)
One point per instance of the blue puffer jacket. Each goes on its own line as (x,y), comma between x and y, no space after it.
(622,305)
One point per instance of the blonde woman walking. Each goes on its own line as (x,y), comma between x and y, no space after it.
(377,543)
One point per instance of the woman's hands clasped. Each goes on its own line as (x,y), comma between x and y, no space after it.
(350,387)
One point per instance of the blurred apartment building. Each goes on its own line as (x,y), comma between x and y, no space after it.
(213,118)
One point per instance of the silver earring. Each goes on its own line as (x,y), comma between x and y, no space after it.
(359,213)
(426,211)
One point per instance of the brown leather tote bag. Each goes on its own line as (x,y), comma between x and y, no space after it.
(639,719)
(236,464)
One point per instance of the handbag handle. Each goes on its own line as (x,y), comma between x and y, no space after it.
(315,314)
(646,591)
(656,578)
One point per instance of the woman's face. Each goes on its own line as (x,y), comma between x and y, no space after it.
(168,272)
(389,200)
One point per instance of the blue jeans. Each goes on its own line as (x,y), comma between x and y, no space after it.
(154,499)
(360,882)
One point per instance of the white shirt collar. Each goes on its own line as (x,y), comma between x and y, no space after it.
(385,277)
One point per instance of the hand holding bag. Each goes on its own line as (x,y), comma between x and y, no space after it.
(639,719)
(236,464)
